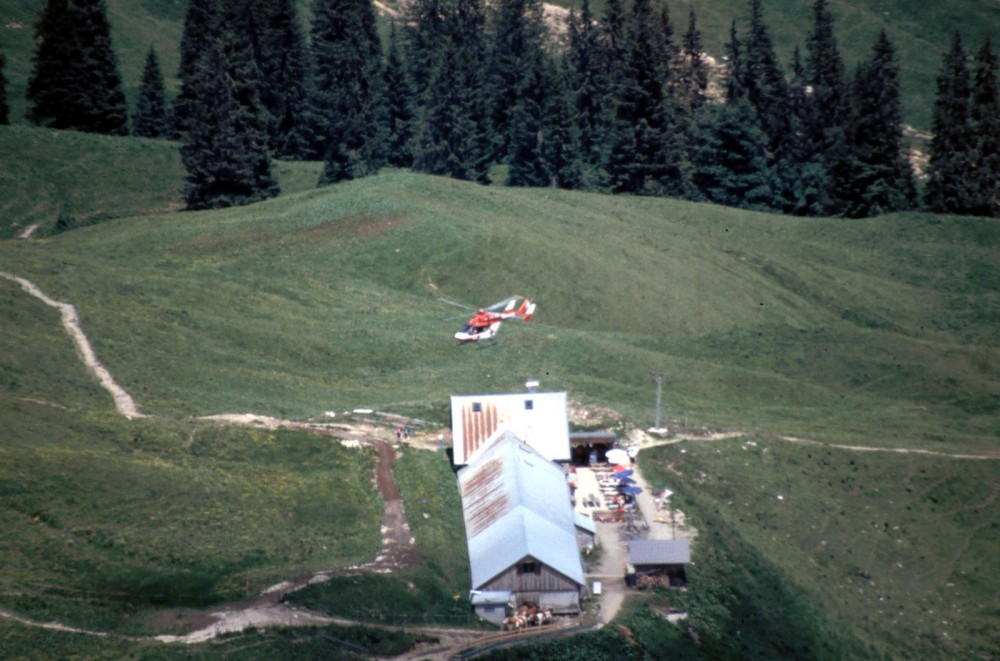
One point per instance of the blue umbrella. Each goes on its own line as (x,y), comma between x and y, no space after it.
(625,473)
(631,491)
(626,481)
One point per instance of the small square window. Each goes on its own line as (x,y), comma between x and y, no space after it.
(477,407)
(529,405)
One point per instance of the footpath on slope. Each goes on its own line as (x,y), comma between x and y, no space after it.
(398,548)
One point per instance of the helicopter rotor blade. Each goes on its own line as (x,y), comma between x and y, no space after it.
(457,304)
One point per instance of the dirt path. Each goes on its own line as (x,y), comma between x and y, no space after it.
(398,548)
(124,403)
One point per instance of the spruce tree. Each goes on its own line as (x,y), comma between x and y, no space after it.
(561,150)
(103,108)
(801,183)
(4,107)
(75,82)
(453,134)
(984,114)
(692,79)
(225,148)
(516,57)
(197,37)
(283,67)
(950,184)
(882,179)
(765,82)
(619,132)
(151,118)
(589,89)
(828,98)
(51,89)
(526,129)
(730,157)
(347,93)
(399,106)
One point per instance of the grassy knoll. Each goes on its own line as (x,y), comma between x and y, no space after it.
(882,331)
(61,180)
(436,590)
(104,520)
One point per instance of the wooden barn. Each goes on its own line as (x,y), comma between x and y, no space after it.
(520,530)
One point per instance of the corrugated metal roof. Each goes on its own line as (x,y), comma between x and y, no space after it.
(659,552)
(516,505)
(584,521)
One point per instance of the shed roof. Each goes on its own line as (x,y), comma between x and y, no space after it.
(516,506)
(585,522)
(659,552)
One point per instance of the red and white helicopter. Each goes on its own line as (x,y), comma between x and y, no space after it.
(485,323)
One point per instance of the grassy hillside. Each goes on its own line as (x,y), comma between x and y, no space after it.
(921,32)
(328,299)
(882,332)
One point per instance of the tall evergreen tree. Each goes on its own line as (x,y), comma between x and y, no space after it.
(589,88)
(950,183)
(984,113)
(282,61)
(50,92)
(283,68)
(802,185)
(828,98)
(453,133)
(347,93)
(399,106)
(225,148)
(692,80)
(882,180)
(151,118)
(516,60)
(4,107)
(103,108)
(75,82)
(197,37)
(765,82)
(424,41)
(527,127)
(730,157)
(736,84)
(561,148)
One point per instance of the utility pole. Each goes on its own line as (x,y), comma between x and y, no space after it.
(658,377)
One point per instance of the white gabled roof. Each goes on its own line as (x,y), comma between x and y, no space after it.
(516,506)
(539,419)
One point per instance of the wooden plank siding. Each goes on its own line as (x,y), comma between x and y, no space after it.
(524,583)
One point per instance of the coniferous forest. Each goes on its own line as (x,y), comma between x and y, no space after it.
(618,101)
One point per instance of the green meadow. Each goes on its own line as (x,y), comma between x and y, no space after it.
(880,333)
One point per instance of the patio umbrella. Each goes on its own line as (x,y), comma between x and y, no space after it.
(631,491)
(624,473)
(618,469)
(617,456)
(626,481)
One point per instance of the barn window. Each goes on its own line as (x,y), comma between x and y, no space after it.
(529,405)
(529,568)
(477,407)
